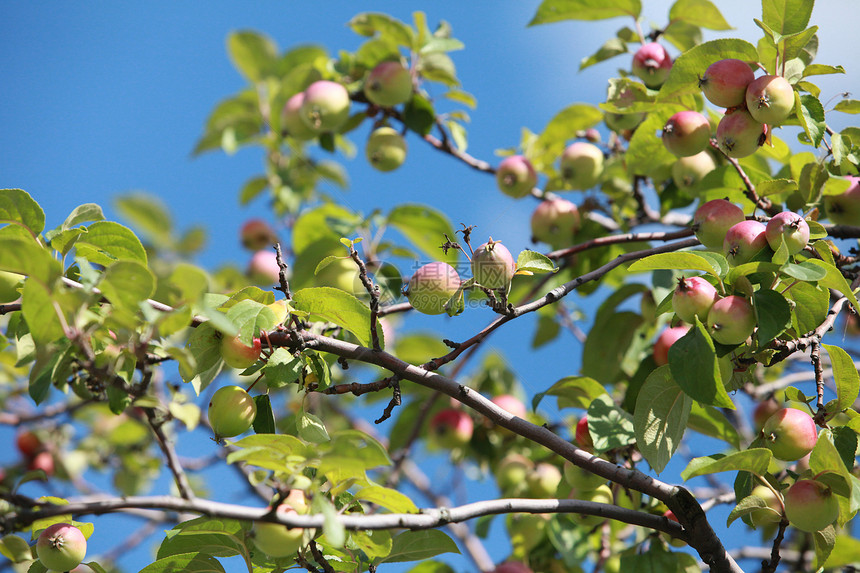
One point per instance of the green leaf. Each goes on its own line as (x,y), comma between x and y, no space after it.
(26,257)
(127,283)
(836,281)
(334,305)
(613,47)
(825,541)
(699,13)
(370,24)
(609,426)
(811,306)
(282,368)
(845,375)
(786,16)
(17,206)
(773,314)
(660,418)
(148,214)
(753,460)
(83,214)
(311,428)
(333,529)
(188,282)
(810,114)
(373,543)
(558,10)
(847,105)
(804,271)
(419,545)
(572,392)
(578,116)
(419,115)
(675,261)
(106,242)
(534,262)
(426,228)
(187,562)
(264,421)
(694,366)
(607,344)
(711,422)
(253,54)
(251,317)
(390,499)
(37,305)
(691,65)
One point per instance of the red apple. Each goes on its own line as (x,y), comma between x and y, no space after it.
(451,428)
(810,505)
(790,434)
(237,355)
(666,339)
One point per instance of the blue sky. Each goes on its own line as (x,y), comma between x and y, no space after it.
(105,98)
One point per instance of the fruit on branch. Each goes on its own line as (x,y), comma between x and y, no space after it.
(61,547)
(263,268)
(512,567)
(651,64)
(666,339)
(619,122)
(770,99)
(789,227)
(772,513)
(725,82)
(388,84)
(601,494)
(555,221)
(493,266)
(739,134)
(731,320)
(237,354)
(431,286)
(763,411)
(516,176)
(694,296)
(526,531)
(713,219)
(341,273)
(810,505)
(582,435)
(744,241)
(42,461)
(276,540)
(291,119)
(686,133)
(511,474)
(511,404)
(231,411)
(9,286)
(844,209)
(579,478)
(543,481)
(687,171)
(256,234)
(28,443)
(451,428)
(790,434)
(581,165)
(325,106)
(385,149)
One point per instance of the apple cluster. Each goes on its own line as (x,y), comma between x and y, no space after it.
(35,452)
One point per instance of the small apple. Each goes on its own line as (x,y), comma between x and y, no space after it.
(451,428)
(256,234)
(511,474)
(581,479)
(493,266)
(341,273)
(554,222)
(790,434)
(543,481)
(276,540)
(620,122)
(231,411)
(844,209)
(666,339)
(582,435)
(744,241)
(263,268)
(526,531)
(61,547)
(770,99)
(385,149)
(291,119)
(431,286)
(582,165)
(725,82)
(739,134)
(388,84)
(602,494)
(510,403)
(789,227)
(28,443)
(763,411)
(237,355)
(731,320)
(325,106)
(687,171)
(713,219)
(651,64)
(42,461)
(516,176)
(686,133)
(766,515)
(810,505)
(693,297)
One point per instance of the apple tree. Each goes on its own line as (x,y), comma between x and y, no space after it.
(707,202)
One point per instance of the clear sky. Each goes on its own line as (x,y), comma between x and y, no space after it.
(104,98)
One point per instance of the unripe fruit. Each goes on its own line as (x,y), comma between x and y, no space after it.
(431,286)
(341,274)
(766,516)
(581,165)
(237,354)
(582,435)
(651,64)
(555,221)
(581,479)
(744,241)
(543,481)
(687,171)
(385,149)
(28,443)
(291,119)
(713,219)
(666,339)
(770,99)
(694,296)
(493,266)
(276,540)
(686,133)
(325,106)
(592,135)
(511,474)
(790,434)
(451,428)
(231,411)
(789,227)
(844,209)
(810,505)
(388,84)
(516,177)
(619,122)
(725,82)
(263,268)
(512,567)
(61,547)
(526,531)
(731,320)
(739,135)
(256,234)
(602,494)
(8,286)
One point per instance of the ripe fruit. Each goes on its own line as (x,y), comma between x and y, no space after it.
(713,219)
(325,106)
(510,403)
(231,411)
(765,516)
(743,241)
(276,540)
(555,221)
(388,84)
(770,99)
(543,481)
(42,461)
(431,286)
(810,505)
(291,119)
(385,149)
(844,209)
(28,443)
(763,411)
(237,354)
(581,165)
(8,286)
(686,133)
(725,82)
(451,428)
(256,234)
(790,434)
(731,320)
(666,339)
(790,227)
(512,567)
(651,64)
(263,268)
(515,176)
(493,266)
(687,171)
(581,479)
(511,474)
(582,435)
(61,547)
(694,296)
(739,135)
